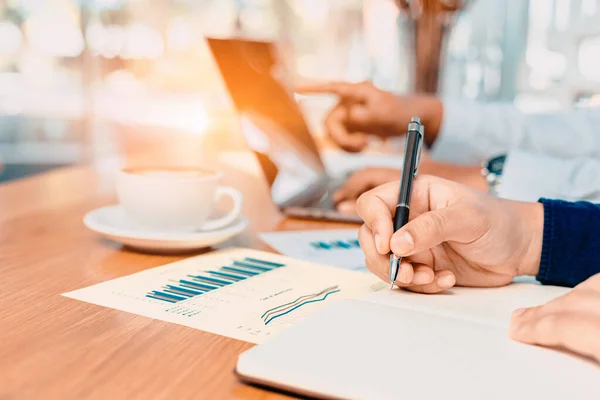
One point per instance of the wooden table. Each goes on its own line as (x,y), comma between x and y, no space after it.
(52,347)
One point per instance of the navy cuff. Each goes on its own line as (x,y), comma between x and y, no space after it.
(571,242)
(547,243)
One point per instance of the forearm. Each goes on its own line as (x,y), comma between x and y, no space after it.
(471,132)
(529,176)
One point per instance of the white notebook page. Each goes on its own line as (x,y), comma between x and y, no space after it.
(363,350)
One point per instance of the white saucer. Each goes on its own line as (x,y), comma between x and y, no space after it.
(112,223)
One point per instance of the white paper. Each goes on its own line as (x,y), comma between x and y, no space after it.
(359,350)
(337,248)
(252,309)
(490,306)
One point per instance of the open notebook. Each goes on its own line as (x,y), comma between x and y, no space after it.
(398,345)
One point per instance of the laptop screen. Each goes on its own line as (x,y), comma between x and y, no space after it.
(271,121)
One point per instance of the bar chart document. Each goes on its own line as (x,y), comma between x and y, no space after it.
(240,293)
(336,247)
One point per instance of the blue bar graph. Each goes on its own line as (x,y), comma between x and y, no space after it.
(335,245)
(207,281)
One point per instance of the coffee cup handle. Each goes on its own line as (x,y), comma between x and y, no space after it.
(235,212)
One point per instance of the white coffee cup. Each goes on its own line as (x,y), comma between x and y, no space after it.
(175,199)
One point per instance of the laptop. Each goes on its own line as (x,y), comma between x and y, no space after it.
(275,129)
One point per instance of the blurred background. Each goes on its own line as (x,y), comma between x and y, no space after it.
(78,75)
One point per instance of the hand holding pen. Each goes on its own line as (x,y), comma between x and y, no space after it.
(412,158)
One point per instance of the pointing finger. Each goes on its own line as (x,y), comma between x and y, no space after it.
(377,263)
(347,91)
(336,128)
(375,208)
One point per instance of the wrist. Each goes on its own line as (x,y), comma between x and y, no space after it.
(428,108)
(532,225)
(433,111)
(492,170)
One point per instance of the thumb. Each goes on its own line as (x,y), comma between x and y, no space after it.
(461,223)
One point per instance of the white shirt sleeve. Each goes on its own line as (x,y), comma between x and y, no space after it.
(472,132)
(528,176)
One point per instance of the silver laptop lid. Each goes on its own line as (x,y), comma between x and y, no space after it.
(271,121)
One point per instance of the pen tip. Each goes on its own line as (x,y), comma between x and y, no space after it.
(392,285)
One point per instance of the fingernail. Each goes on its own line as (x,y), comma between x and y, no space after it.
(518,312)
(404,244)
(445,281)
(421,278)
(378,242)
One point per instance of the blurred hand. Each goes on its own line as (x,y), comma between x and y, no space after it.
(571,321)
(364,109)
(366,179)
(359,182)
(455,235)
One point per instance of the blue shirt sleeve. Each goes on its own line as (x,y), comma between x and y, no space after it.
(571,243)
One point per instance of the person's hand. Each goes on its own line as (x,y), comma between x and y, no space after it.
(359,182)
(364,109)
(455,235)
(571,321)
(366,179)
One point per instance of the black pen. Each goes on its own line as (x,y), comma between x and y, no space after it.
(412,158)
